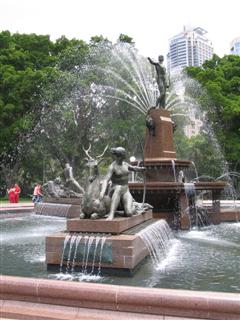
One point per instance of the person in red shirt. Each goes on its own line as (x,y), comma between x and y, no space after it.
(11,194)
(17,192)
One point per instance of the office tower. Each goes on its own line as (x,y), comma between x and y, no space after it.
(189,48)
(235,46)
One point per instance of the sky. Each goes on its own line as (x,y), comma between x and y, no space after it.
(151,23)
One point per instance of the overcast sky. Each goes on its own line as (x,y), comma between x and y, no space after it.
(149,22)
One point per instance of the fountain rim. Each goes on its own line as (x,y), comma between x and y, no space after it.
(202,185)
(171,302)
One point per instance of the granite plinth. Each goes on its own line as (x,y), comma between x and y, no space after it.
(116,226)
(161,144)
(122,252)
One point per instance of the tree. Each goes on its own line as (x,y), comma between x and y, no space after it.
(27,65)
(54,100)
(125,38)
(220,99)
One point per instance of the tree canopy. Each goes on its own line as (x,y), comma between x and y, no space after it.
(52,104)
(220,99)
(58,97)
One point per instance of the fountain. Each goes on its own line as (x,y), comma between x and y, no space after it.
(61,199)
(168,196)
(120,245)
(98,226)
(173,199)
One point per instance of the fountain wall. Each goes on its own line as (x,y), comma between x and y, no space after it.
(41,299)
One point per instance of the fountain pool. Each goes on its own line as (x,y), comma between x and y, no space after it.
(204,260)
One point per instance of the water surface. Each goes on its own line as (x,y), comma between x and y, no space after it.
(206,259)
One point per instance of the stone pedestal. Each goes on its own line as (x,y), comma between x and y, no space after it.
(161,145)
(122,248)
(163,190)
(116,226)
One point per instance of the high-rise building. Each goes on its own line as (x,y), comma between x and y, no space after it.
(235,46)
(189,48)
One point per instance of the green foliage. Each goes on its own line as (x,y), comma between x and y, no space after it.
(220,78)
(125,38)
(200,149)
(28,66)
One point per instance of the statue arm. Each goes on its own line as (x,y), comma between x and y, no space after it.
(105,182)
(152,62)
(136,168)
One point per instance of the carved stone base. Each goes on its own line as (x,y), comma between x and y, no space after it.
(116,226)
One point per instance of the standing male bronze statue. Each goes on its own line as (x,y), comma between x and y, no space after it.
(161,81)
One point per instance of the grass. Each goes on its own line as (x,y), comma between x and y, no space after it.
(6,200)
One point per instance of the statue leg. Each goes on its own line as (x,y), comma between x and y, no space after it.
(158,102)
(128,204)
(163,101)
(77,186)
(114,202)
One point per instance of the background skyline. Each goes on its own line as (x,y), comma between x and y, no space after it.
(150,23)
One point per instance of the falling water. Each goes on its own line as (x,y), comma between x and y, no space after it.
(88,245)
(52,209)
(72,241)
(190,192)
(97,240)
(195,169)
(84,250)
(67,238)
(103,240)
(174,170)
(157,238)
(190,189)
(79,237)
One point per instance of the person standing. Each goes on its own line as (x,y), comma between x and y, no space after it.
(37,193)
(11,194)
(17,192)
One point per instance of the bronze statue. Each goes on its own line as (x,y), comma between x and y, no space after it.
(92,206)
(56,189)
(150,123)
(161,81)
(118,176)
(70,181)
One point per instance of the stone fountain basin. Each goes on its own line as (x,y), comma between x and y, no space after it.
(123,249)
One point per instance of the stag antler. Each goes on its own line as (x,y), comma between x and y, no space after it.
(87,152)
(101,155)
